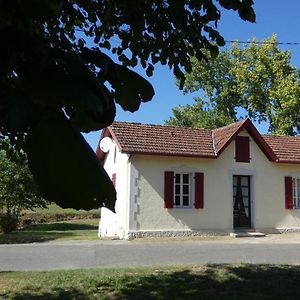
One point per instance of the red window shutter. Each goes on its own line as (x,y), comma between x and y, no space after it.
(199,190)
(288,182)
(114,178)
(242,149)
(169,189)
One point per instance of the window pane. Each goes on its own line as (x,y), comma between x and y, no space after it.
(182,189)
(247,211)
(185,178)
(244,181)
(245,201)
(185,189)
(296,191)
(185,200)
(245,191)
(177,189)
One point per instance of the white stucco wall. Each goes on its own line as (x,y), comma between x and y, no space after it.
(267,192)
(116,224)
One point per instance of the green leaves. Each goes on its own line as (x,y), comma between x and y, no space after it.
(65,168)
(258,80)
(17,192)
(88,118)
(74,87)
(41,9)
(246,11)
(244,8)
(131,89)
(198,115)
(17,112)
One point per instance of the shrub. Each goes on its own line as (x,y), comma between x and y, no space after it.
(17,192)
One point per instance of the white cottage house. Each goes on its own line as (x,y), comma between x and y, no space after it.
(183,181)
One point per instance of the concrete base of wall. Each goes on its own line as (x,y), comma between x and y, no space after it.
(174,233)
(190,233)
(288,230)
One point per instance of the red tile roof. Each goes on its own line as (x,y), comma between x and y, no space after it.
(286,148)
(163,140)
(137,138)
(222,135)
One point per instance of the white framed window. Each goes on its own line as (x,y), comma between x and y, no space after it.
(296,192)
(182,190)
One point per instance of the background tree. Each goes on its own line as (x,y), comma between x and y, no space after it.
(54,85)
(17,192)
(198,115)
(256,80)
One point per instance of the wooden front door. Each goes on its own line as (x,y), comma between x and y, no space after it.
(241,202)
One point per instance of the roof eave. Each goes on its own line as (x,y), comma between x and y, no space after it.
(262,144)
(170,154)
(287,161)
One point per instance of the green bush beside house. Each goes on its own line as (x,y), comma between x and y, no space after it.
(18,192)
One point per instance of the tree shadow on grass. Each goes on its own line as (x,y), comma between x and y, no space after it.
(217,282)
(44,232)
(66,294)
(214,282)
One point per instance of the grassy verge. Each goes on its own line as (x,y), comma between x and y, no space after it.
(197,282)
(67,230)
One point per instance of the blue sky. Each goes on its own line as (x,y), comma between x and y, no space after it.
(271,17)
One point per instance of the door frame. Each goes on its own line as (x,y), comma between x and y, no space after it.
(249,185)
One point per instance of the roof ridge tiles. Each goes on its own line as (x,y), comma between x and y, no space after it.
(160,125)
(280,136)
(230,125)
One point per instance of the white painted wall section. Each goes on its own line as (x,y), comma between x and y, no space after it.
(114,225)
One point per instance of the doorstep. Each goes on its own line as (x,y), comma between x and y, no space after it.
(245,233)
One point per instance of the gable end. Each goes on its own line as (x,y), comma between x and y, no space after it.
(231,132)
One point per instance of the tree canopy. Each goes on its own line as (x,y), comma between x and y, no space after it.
(256,80)
(56,81)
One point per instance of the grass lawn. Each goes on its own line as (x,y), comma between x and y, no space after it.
(191,282)
(54,222)
(67,230)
